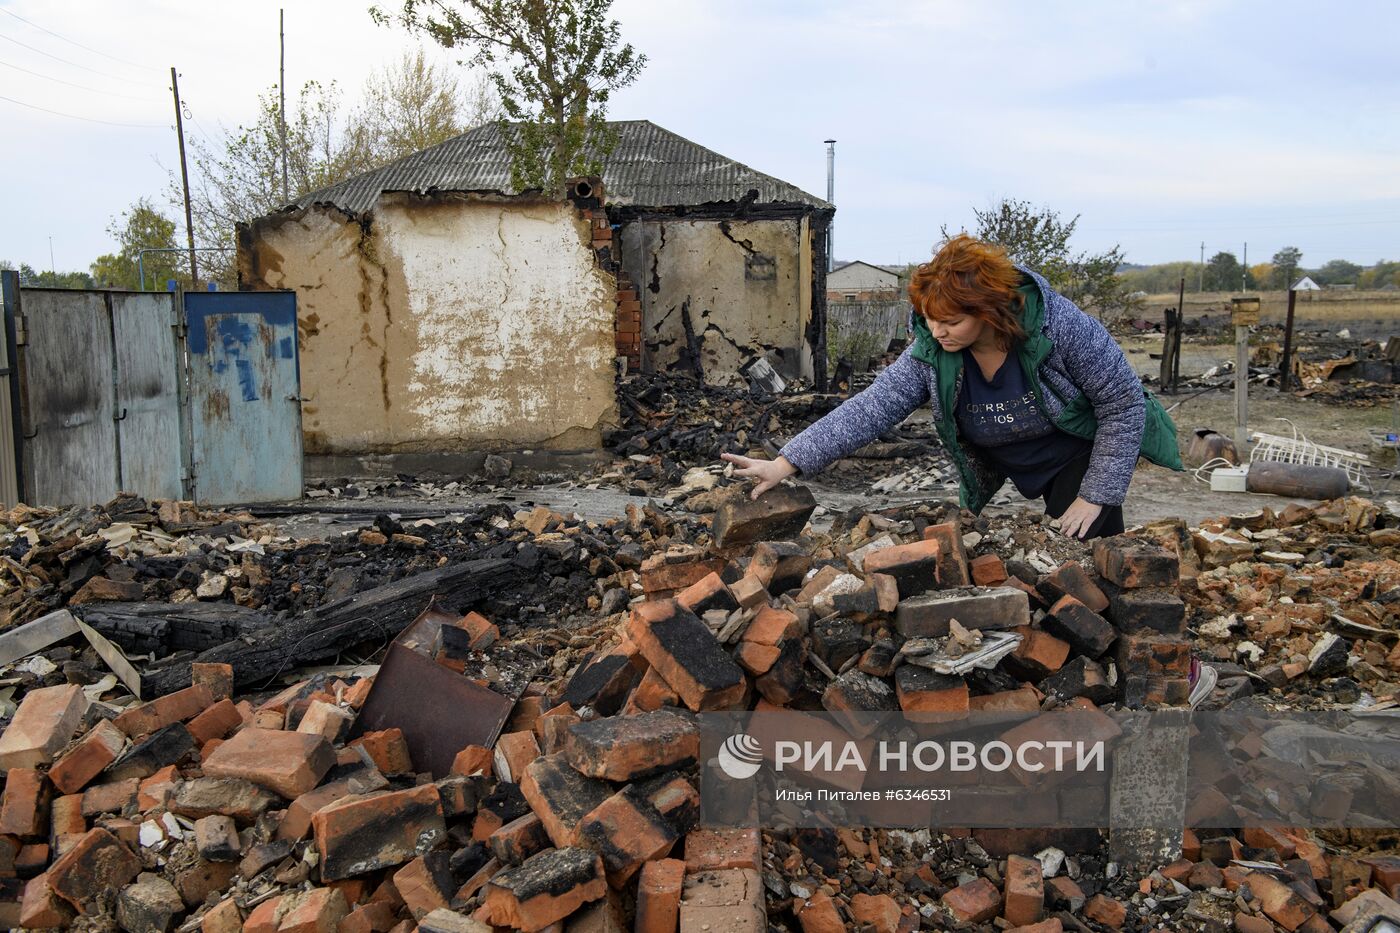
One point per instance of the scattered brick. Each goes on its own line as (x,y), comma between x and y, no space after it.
(544,889)
(818,914)
(974,902)
(388,749)
(661,578)
(987,570)
(474,759)
(1132,563)
(561,797)
(513,754)
(659,895)
(425,884)
(779,513)
(93,752)
(1279,902)
(624,748)
(289,763)
(952,555)
(914,567)
(1080,678)
(651,693)
(707,594)
(780,565)
(1086,631)
(1024,891)
(31,859)
(215,722)
(66,816)
(326,720)
(1023,700)
(43,724)
(162,711)
(878,912)
(361,833)
(1053,925)
(42,908)
(729,899)
(166,746)
(1039,654)
(626,830)
(687,654)
(519,839)
(113,797)
(24,807)
(709,849)
(1071,580)
(749,592)
(1103,909)
(603,682)
(760,646)
(156,790)
(1156,610)
(93,870)
(928,615)
(921,690)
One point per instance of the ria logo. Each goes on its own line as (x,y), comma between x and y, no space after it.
(740,756)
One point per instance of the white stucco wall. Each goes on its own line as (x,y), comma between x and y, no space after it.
(452,325)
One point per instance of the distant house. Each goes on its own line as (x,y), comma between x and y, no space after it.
(440,310)
(1306,284)
(860,281)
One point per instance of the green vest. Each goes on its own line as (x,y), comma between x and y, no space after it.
(1159,443)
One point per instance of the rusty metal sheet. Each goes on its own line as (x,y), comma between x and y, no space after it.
(439,711)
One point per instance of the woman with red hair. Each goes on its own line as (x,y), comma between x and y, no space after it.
(1023,385)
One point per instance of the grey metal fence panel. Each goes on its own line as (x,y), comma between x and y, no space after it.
(9,392)
(149,394)
(245,408)
(70,449)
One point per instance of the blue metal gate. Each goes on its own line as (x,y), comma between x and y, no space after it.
(245,398)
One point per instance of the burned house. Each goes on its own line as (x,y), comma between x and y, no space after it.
(441,311)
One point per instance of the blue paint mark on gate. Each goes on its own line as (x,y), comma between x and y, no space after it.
(286,347)
(246,381)
(278,309)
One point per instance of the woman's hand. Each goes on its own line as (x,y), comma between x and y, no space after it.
(769,473)
(1078,517)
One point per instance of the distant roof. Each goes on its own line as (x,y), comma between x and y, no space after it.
(1305,284)
(649,167)
(861,262)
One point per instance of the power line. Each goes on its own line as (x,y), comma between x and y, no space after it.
(81,87)
(73,42)
(105,74)
(73,116)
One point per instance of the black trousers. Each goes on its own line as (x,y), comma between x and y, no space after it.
(1064,489)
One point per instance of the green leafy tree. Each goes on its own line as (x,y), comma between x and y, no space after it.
(1039,239)
(1380,275)
(141,227)
(1338,272)
(1224,273)
(554,64)
(1286,262)
(29,277)
(1158,279)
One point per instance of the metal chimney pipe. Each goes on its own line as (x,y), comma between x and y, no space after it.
(831,199)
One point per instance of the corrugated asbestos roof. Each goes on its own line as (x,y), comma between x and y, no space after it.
(649,167)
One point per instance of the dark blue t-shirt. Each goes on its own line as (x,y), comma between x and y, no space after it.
(1000,417)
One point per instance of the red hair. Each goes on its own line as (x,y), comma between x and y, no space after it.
(970,277)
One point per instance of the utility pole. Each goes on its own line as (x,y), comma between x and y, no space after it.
(1201,285)
(1244,273)
(184,176)
(282,105)
(830,199)
(53,267)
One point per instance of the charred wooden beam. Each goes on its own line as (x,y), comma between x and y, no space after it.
(376,614)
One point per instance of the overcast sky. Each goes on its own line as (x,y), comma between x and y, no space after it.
(1163,125)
